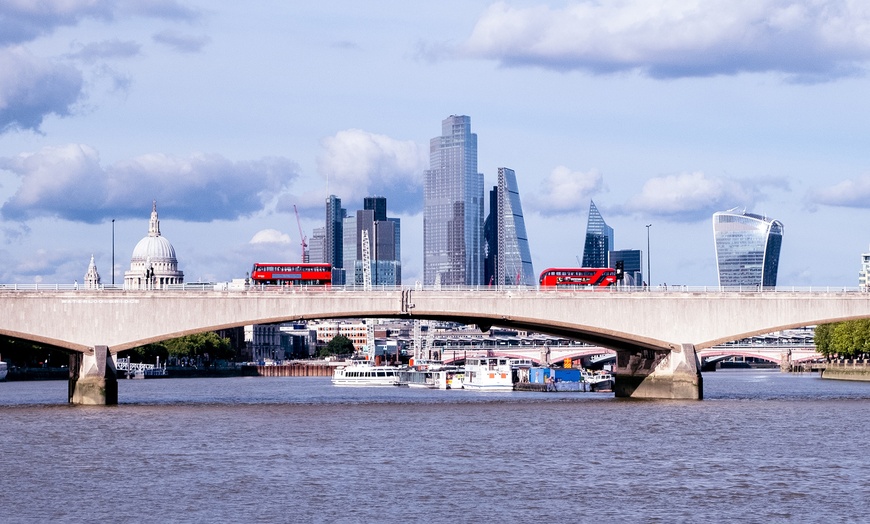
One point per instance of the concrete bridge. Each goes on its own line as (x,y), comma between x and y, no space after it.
(656,334)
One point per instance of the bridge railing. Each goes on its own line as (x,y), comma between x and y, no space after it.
(210,287)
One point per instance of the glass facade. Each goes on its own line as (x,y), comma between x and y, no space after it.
(385,246)
(453,207)
(632,265)
(599,239)
(333,243)
(508,257)
(747,249)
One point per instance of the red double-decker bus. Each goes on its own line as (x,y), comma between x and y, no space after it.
(566,277)
(295,274)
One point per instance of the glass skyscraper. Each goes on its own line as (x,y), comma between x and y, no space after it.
(508,257)
(599,239)
(333,244)
(747,248)
(453,207)
(632,265)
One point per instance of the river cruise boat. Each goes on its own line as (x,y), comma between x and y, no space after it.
(495,373)
(432,375)
(363,373)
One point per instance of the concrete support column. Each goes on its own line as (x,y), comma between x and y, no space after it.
(647,373)
(93,379)
(785,361)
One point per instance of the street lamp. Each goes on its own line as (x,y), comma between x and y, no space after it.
(648,275)
(113,252)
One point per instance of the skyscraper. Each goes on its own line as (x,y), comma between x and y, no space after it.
(632,265)
(747,248)
(508,257)
(378,204)
(599,239)
(453,207)
(384,246)
(332,248)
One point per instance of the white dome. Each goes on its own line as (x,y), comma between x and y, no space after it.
(153,264)
(154,248)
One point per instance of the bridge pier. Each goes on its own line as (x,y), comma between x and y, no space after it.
(93,379)
(659,374)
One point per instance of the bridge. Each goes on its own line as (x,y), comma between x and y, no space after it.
(656,334)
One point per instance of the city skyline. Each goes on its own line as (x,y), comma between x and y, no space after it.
(109,106)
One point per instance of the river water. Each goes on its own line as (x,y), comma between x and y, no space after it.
(764,446)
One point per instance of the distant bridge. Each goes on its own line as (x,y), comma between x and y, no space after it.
(656,334)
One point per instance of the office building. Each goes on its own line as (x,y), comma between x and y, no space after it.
(334,238)
(378,204)
(508,259)
(384,244)
(453,207)
(599,240)
(864,274)
(632,265)
(747,248)
(317,246)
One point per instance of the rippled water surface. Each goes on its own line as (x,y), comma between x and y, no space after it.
(762,447)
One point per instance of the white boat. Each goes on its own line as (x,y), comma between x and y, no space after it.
(362,373)
(432,375)
(3,370)
(597,380)
(494,373)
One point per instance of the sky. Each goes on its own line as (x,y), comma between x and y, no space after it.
(227,114)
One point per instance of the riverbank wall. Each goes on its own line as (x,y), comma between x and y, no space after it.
(293,369)
(846,370)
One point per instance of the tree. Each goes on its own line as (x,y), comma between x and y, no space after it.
(847,339)
(822,338)
(339,345)
(192,346)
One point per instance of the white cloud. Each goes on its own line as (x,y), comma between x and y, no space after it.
(668,38)
(32,88)
(358,164)
(270,236)
(848,193)
(181,42)
(690,196)
(24,20)
(69,182)
(566,191)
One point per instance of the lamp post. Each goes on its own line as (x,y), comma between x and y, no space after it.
(113,252)
(648,275)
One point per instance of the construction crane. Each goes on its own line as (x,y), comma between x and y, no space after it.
(302,239)
(367,286)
